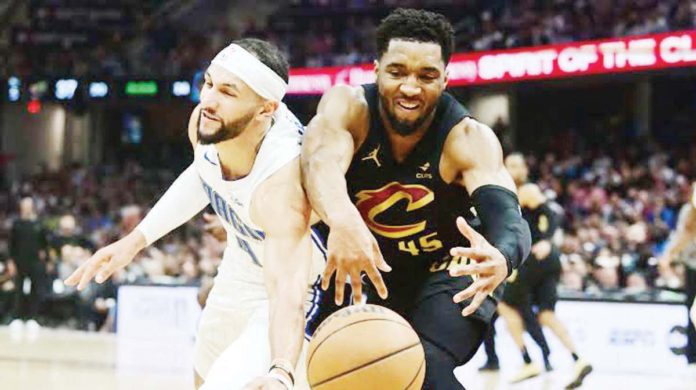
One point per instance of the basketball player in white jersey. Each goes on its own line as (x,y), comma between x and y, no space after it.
(246,147)
(681,247)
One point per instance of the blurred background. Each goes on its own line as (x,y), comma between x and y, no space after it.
(599,95)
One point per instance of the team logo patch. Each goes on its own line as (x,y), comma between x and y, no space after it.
(371,203)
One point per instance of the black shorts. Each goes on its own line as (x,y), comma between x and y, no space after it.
(544,294)
(535,284)
(437,319)
(516,292)
(407,293)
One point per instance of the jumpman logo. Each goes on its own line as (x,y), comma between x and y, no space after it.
(374,156)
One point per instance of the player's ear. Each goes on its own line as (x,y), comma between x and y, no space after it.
(268,108)
(376,63)
(446,77)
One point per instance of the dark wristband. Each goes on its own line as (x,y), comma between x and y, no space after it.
(502,223)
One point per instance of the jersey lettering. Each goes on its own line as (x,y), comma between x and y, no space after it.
(226,212)
(243,245)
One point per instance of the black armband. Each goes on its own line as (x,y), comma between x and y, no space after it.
(502,223)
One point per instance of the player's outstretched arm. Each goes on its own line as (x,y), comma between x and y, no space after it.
(474,157)
(328,149)
(281,209)
(183,200)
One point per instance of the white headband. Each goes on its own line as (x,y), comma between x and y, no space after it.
(259,77)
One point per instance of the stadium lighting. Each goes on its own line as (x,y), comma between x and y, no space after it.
(98,89)
(65,89)
(13,89)
(181,88)
(38,89)
(34,107)
(141,88)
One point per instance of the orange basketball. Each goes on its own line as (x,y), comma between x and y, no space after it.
(365,347)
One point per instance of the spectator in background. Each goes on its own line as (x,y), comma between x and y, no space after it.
(491,37)
(8,271)
(28,253)
(67,246)
(97,302)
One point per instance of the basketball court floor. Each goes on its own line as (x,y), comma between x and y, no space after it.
(62,359)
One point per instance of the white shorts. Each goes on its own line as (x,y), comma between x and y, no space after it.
(234,337)
(218,328)
(234,323)
(249,357)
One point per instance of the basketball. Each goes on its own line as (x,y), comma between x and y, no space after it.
(365,347)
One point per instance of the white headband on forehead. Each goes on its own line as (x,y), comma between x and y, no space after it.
(259,77)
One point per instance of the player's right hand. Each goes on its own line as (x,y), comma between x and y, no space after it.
(352,251)
(107,260)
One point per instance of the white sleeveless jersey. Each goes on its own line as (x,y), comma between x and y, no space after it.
(240,275)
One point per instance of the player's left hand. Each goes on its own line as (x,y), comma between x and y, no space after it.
(490,267)
(265,383)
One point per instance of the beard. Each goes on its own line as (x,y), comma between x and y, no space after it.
(227,131)
(403,128)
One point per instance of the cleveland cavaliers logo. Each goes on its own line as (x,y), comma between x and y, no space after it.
(371,203)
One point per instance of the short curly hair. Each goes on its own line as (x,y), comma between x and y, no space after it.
(416,25)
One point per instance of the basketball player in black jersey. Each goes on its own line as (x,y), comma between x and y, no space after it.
(405,181)
(533,285)
(526,320)
(518,170)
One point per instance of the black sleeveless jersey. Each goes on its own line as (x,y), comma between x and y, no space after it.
(543,222)
(410,210)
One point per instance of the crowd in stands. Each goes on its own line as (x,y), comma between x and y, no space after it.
(82,209)
(619,208)
(339,32)
(335,39)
